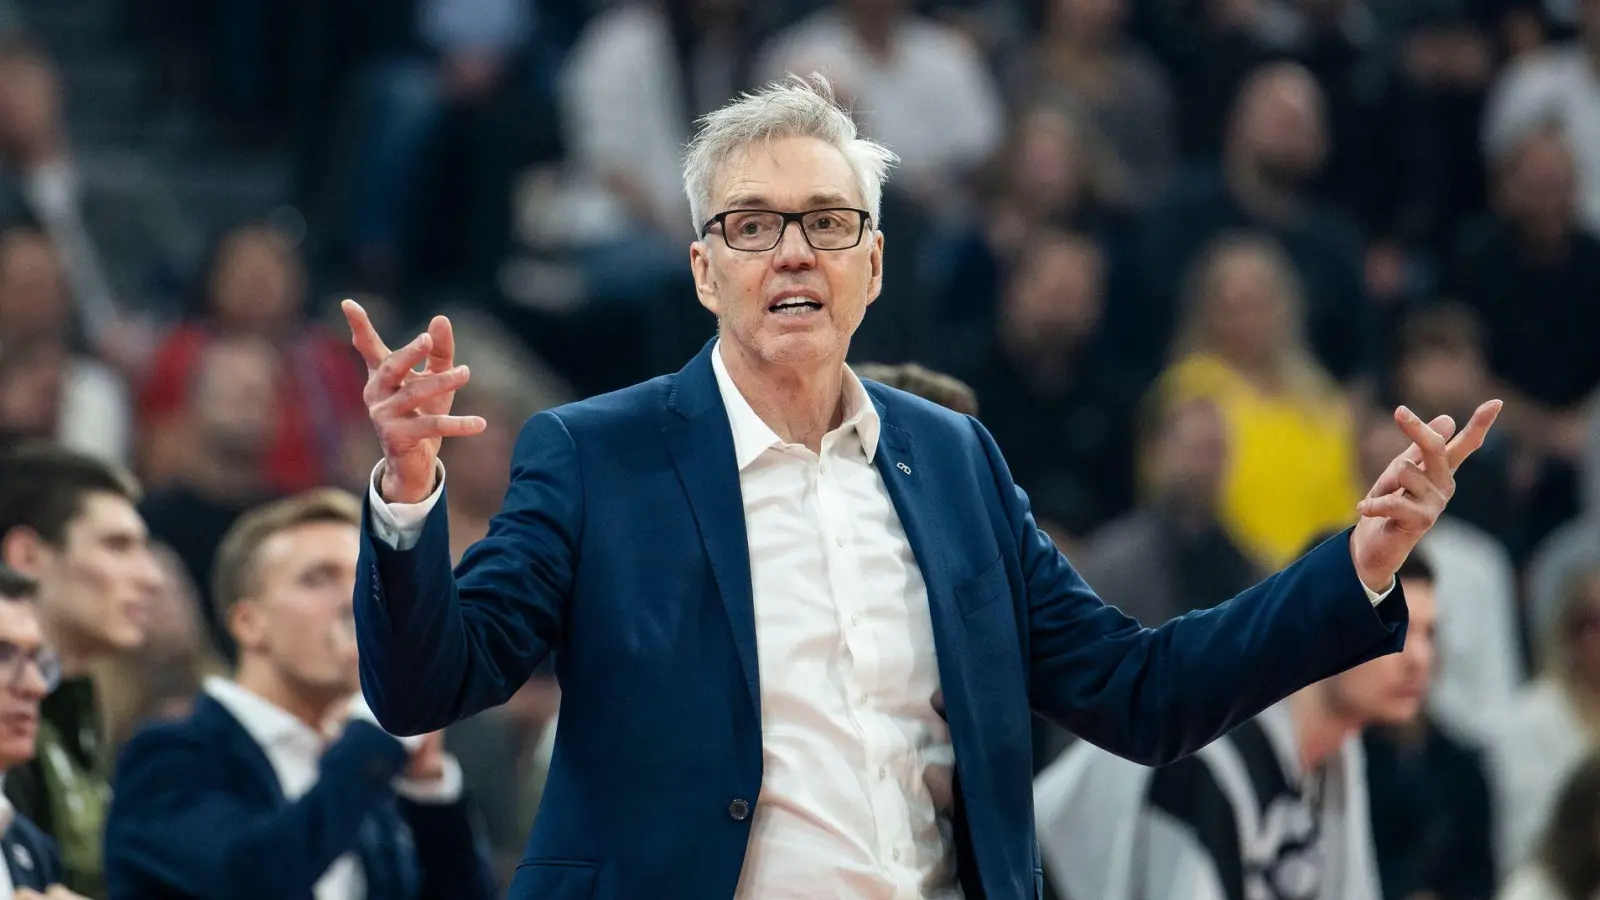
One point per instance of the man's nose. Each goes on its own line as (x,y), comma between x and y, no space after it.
(793,249)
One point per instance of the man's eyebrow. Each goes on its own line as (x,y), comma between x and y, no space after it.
(819,200)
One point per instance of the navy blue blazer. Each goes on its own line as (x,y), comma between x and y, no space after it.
(198,814)
(621,545)
(31,857)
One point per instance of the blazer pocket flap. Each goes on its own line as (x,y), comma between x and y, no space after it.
(983,588)
(555,879)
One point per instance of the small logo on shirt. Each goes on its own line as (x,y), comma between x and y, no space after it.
(23,857)
(903,467)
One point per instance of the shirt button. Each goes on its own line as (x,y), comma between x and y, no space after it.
(855,620)
(838,542)
(861,700)
(897,856)
(883,772)
(739,810)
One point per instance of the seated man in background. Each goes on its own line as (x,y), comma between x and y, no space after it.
(280,784)
(69,522)
(1275,810)
(29,670)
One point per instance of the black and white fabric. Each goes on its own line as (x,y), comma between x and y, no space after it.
(1238,820)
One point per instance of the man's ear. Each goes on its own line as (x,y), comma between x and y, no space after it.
(246,624)
(705,290)
(25,550)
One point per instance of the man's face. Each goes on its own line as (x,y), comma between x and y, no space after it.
(301,619)
(95,591)
(20,636)
(742,288)
(1283,126)
(1391,690)
(235,396)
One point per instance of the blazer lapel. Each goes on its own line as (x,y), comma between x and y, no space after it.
(910,492)
(241,745)
(701,442)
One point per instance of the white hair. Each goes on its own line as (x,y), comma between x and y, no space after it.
(797,107)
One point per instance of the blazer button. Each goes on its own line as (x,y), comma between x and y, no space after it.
(739,809)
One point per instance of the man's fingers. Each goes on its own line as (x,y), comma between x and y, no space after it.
(443,354)
(1471,437)
(419,390)
(363,336)
(1430,443)
(1400,507)
(421,428)
(392,373)
(1414,481)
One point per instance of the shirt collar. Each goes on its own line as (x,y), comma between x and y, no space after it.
(752,437)
(8,813)
(270,725)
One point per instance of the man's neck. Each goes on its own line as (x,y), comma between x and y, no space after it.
(800,406)
(1319,730)
(1258,195)
(264,682)
(76,658)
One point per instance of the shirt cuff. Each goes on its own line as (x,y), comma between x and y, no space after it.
(400,524)
(1376,597)
(360,710)
(442,790)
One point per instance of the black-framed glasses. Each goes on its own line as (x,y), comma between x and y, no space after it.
(14,660)
(759,230)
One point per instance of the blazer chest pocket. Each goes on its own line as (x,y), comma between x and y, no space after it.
(555,880)
(984,588)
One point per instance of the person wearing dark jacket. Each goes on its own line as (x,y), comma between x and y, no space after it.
(280,784)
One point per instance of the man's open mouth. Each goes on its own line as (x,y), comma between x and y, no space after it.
(794,305)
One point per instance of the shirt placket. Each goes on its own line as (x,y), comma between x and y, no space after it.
(865,672)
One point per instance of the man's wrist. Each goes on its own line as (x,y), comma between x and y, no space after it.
(394,489)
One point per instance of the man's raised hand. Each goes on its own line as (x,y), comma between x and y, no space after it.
(1410,495)
(410,409)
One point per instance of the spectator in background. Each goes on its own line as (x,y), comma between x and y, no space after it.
(1055,173)
(1277,808)
(1050,397)
(1172,555)
(228,430)
(1210,48)
(1292,470)
(1532,273)
(69,522)
(1558,86)
(254,287)
(1084,59)
(1440,364)
(49,390)
(937,387)
(159,681)
(1567,863)
(30,670)
(1480,656)
(449,56)
(1550,725)
(280,779)
(917,85)
(1276,142)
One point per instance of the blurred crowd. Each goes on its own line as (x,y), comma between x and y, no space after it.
(1188,255)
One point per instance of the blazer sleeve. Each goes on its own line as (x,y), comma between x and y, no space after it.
(439,645)
(1155,695)
(176,821)
(454,864)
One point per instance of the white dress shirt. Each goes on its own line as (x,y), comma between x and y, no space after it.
(854,753)
(295,749)
(8,814)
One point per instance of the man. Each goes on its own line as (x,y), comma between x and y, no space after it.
(1276,810)
(799,621)
(69,522)
(233,400)
(30,671)
(279,785)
